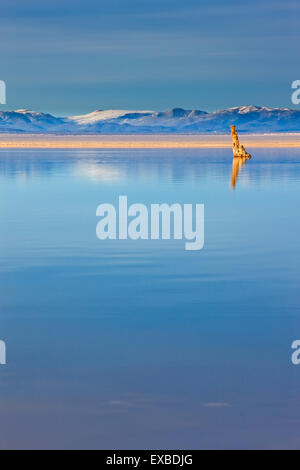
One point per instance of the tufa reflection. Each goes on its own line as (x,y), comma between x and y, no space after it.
(240,156)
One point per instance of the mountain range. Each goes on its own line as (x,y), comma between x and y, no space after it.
(252,119)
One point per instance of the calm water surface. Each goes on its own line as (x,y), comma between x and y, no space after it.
(141,344)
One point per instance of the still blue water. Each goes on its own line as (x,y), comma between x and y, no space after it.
(141,344)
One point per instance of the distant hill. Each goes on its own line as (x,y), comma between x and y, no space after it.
(252,119)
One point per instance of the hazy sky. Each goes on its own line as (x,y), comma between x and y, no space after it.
(74,56)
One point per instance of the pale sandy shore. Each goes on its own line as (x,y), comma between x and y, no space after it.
(144,141)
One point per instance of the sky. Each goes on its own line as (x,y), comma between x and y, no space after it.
(72,57)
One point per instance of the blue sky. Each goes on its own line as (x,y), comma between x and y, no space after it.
(68,57)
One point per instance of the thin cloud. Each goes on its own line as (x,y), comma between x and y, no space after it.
(216,404)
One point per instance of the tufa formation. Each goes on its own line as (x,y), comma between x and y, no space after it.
(238,149)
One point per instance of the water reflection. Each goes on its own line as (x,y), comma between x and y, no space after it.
(195,166)
(98,172)
(237,164)
(104,338)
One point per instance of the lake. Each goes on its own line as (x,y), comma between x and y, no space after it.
(142,344)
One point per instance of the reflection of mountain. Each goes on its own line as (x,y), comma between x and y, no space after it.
(26,166)
(247,118)
(99,171)
(194,165)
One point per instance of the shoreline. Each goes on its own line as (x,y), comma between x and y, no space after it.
(150,141)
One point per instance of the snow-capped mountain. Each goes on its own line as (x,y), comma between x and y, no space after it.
(104,115)
(253,119)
